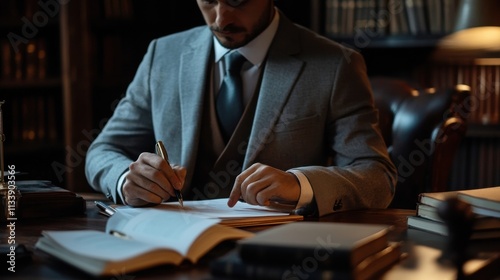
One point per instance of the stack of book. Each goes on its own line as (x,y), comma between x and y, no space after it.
(40,198)
(311,250)
(485,204)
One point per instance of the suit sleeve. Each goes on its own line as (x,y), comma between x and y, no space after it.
(127,133)
(360,175)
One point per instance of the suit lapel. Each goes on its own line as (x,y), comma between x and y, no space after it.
(193,81)
(281,71)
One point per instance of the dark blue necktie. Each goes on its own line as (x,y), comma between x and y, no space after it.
(229,102)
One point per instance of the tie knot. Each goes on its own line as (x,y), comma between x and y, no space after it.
(234,61)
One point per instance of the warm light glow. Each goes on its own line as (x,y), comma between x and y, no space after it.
(462,87)
(477,42)
(430,90)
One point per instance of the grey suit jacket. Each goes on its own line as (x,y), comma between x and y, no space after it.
(314,113)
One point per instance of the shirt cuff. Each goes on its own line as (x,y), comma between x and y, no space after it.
(306,191)
(119,186)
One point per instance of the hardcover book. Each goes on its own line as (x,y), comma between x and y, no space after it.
(487,198)
(484,229)
(340,245)
(231,265)
(44,199)
(484,201)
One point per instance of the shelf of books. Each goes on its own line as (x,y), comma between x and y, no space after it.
(31,86)
(396,22)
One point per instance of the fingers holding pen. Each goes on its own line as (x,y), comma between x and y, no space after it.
(151,180)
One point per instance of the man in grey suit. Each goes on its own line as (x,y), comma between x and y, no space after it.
(308,135)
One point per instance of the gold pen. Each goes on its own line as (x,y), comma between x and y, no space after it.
(161,151)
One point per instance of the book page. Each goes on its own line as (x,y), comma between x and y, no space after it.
(96,244)
(173,230)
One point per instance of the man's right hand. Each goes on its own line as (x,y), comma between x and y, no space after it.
(151,180)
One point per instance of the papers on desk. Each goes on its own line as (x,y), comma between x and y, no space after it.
(241,215)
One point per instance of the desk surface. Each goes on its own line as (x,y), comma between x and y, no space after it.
(45,267)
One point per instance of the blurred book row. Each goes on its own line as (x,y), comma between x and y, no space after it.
(28,63)
(390,17)
(118,9)
(15,10)
(30,118)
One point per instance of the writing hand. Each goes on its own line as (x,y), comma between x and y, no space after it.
(261,184)
(151,180)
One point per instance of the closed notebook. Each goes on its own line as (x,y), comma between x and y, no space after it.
(333,245)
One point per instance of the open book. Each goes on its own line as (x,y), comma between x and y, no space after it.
(135,241)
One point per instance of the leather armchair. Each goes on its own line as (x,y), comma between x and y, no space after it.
(422,130)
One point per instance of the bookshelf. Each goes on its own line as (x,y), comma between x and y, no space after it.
(31,85)
(399,38)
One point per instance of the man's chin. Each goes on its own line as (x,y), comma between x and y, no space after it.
(231,42)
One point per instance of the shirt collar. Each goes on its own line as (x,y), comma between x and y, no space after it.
(256,50)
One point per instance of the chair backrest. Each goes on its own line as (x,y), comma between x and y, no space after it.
(422,130)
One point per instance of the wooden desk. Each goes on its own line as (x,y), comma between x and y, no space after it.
(45,267)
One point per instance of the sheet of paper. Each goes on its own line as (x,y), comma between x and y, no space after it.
(216,208)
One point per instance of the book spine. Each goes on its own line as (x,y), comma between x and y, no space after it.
(247,270)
